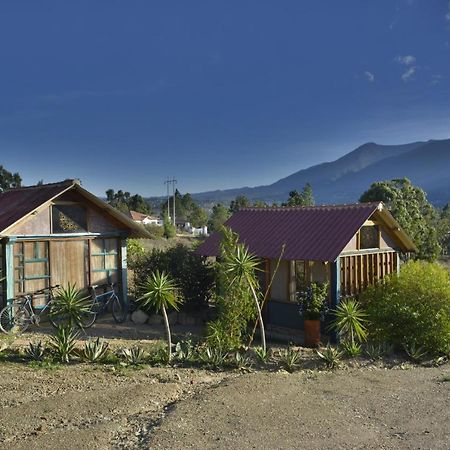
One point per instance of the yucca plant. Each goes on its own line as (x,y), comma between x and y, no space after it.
(331,356)
(290,359)
(63,342)
(134,355)
(160,293)
(95,350)
(70,307)
(35,350)
(242,265)
(350,321)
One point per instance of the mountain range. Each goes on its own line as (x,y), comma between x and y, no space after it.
(426,164)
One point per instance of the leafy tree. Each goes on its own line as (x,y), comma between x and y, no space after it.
(125,202)
(410,207)
(198,217)
(160,292)
(241,201)
(304,198)
(218,217)
(9,180)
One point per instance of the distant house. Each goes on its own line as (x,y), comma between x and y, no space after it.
(199,231)
(146,219)
(349,246)
(60,233)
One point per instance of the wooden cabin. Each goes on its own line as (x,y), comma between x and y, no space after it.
(348,246)
(60,233)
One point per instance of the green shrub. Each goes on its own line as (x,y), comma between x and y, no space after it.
(155,230)
(190,272)
(412,308)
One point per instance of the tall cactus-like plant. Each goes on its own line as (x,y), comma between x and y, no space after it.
(159,291)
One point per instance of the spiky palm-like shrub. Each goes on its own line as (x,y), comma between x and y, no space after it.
(160,292)
(350,321)
(70,306)
(331,356)
(134,355)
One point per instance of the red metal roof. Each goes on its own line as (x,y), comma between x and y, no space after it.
(316,233)
(17,203)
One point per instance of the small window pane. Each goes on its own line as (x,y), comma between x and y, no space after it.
(369,237)
(69,219)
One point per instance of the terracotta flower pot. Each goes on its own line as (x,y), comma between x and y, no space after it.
(312,333)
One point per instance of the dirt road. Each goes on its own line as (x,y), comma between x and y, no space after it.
(360,409)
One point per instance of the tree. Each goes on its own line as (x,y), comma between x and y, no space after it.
(410,207)
(218,217)
(197,217)
(9,180)
(304,198)
(159,292)
(125,202)
(241,201)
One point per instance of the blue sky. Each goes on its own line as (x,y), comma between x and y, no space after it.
(218,94)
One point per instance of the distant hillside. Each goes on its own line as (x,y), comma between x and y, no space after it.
(426,164)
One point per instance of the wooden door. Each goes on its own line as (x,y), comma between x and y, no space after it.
(68,263)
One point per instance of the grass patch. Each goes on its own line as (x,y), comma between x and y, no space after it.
(445,379)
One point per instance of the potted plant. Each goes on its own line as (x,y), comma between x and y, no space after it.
(313,307)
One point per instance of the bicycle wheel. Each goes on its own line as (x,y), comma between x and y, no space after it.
(119,311)
(14,319)
(88,319)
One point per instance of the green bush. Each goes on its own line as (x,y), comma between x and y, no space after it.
(190,272)
(412,308)
(155,230)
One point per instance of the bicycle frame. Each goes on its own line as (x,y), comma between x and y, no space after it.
(28,302)
(102,300)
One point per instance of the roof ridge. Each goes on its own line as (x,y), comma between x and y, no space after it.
(67,182)
(315,207)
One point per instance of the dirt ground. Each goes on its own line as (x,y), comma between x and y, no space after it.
(81,406)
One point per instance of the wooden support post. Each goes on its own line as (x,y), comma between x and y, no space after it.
(335,290)
(9,270)
(123,268)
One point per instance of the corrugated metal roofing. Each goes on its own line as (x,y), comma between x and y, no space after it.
(316,233)
(19,202)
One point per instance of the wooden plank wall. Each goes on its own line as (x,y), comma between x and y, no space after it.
(360,271)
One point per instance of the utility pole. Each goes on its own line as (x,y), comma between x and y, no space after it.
(167,183)
(173,182)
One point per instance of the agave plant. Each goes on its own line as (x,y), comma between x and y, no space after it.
(35,350)
(213,357)
(241,362)
(63,342)
(352,349)
(331,356)
(160,293)
(290,359)
(416,353)
(184,350)
(95,350)
(134,355)
(70,307)
(262,354)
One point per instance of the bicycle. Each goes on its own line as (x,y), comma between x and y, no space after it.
(101,303)
(20,314)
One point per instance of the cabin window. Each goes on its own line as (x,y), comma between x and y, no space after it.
(31,266)
(298,279)
(369,237)
(104,260)
(69,219)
